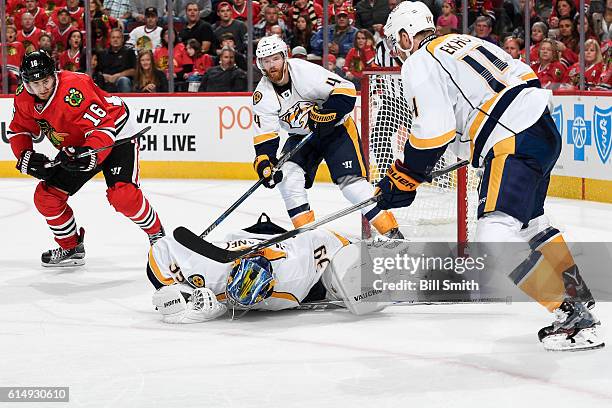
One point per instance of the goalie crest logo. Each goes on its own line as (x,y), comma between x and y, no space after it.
(297,116)
(197,281)
(50,133)
(74,98)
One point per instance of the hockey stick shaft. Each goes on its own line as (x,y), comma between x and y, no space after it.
(204,248)
(255,186)
(101,149)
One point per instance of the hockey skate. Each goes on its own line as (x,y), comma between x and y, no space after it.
(153,238)
(394,233)
(60,257)
(574,328)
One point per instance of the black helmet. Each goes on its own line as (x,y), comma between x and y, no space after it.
(36,65)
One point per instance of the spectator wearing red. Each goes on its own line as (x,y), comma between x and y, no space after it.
(14,6)
(539,31)
(227,24)
(75,11)
(161,57)
(336,5)
(15,52)
(148,78)
(302,33)
(333,67)
(448,20)
(70,60)
(240,11)
(562,8)
(61,31)
(593,63)
(548,68)
(100,35)
(479,8)
(29,35)
(32,7)
(605,80)
(308,9)
(360,57)
(512,46)
(194,62)
(570,40)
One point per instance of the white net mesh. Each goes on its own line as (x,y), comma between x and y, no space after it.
(433,215)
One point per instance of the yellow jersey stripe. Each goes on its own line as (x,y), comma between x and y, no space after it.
(434,43)
(351,129)
(529,76)
(432,143)
(264,138)
(157,272)
(284,295)
(344,91)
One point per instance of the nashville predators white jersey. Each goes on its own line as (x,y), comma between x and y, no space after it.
(297,263)
(310,84)
(461,85)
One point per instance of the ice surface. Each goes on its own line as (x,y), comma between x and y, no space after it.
(94,328)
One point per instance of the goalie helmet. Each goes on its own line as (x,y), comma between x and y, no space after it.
(250,281)
(410,17)
(270,45)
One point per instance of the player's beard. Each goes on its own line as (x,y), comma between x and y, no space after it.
(277,75)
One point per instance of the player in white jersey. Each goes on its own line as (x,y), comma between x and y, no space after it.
(279,277)
(298,97)
(464,90)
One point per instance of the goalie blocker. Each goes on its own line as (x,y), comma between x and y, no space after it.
(315,266)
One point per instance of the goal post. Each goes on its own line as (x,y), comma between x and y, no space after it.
(443,210)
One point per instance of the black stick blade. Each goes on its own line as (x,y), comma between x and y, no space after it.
(193,242)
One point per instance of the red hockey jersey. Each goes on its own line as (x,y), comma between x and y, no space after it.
(78,113)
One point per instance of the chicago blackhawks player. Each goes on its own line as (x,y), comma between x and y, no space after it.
(77,117)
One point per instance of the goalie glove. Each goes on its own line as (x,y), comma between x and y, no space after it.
(68,158)
(322,121)
(264,166)
(33,163)
(397,189)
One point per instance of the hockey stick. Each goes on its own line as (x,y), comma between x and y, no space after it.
(193,242)
(101,149)
(255,186)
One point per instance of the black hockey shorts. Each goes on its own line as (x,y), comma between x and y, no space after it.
(121,165)
(341,150)
(517,171)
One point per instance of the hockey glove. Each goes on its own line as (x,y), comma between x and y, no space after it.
(68,158)
(322,121)
(264,167)
(397,189)
(33,163)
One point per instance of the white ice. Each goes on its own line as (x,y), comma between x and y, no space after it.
(94,329)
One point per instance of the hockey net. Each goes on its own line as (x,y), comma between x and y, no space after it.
(444,210)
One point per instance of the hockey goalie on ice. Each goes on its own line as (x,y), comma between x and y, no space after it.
(317,267)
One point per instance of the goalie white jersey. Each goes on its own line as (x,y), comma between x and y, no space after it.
(297,263)
(310,84)
(461,85)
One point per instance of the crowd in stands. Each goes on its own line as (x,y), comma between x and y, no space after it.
(129,40)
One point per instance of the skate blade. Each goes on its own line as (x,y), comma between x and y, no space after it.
(576,349)
(69,263)
(586,339)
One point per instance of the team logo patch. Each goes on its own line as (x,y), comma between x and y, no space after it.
(196,281)
(602,126)
(296,117)
(257,97)
(74,97)
(49,131)
(19,90)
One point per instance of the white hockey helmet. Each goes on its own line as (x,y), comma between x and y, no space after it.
(270,45)
(411,17)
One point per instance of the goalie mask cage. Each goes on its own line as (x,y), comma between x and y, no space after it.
(444,210)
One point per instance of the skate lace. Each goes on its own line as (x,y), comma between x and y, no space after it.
(58,253)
